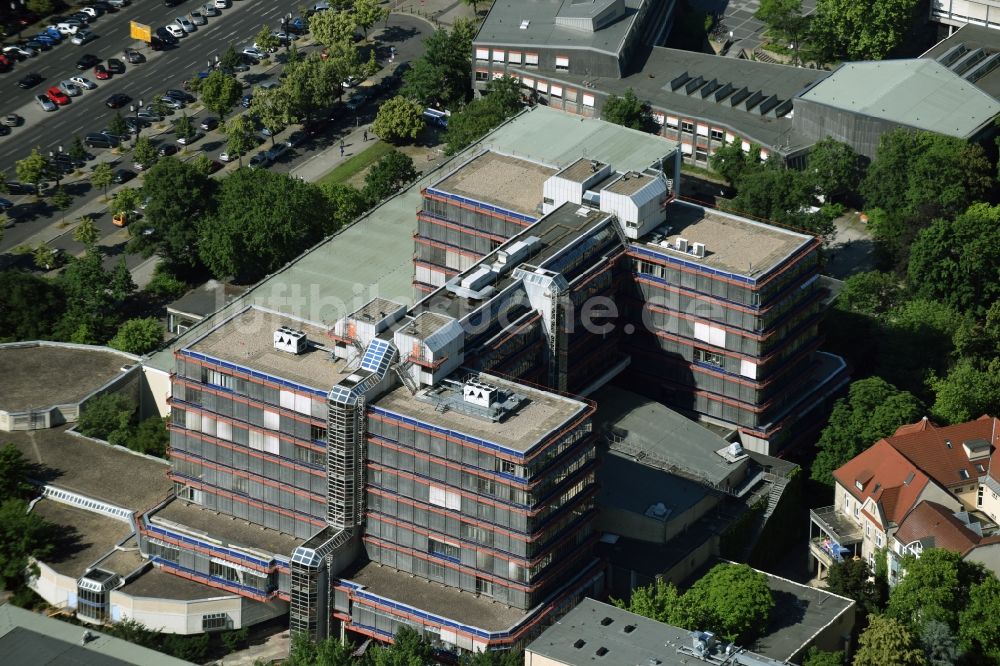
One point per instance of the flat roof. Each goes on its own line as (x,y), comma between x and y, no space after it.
(652,84)
(228,529)
(100,471)
(41,375)
(971,38)
(501,180)
(207,298)
(544,413)
(732,244)
(436,598)
(595,631)
(123,562)
(919,93)
(629,185)
(86,536)
(248,340)
(800,612)
(631,485)
(374,256)
(502,26)
(32,638)
(158,584)
(662,434)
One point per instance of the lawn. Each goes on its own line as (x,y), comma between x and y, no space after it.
(356,164)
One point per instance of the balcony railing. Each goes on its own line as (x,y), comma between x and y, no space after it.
(836,525)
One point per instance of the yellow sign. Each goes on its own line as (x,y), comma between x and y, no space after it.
(140,31)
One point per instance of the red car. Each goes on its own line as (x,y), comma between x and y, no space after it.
(101,73)
(4,62)
(57,96)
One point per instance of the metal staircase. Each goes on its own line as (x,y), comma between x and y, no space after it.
(402,370)
(778,484)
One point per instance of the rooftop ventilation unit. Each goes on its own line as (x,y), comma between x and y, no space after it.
(682,245)
(289,340)
(524,24)
(698,249)
(735,449)
(678,81)
(479,393)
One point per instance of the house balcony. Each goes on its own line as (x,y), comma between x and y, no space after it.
(833,537)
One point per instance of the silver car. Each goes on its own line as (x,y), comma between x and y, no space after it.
(210,10)
(198,18)
(83,82)
(46,103)
(184,24)
(70,88)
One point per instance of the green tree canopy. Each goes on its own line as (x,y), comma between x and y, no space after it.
(262,220)
(272,108)
(369,12)
(144,152)
(409,648)
(32,169)
(117,126)
(873,409)
(127,200)
(979,622)
(348,202)
(30,306)
(184,127)
(105,414)
(817,657)
(86,232)
(441,76)
(783,18)
(887,642)
(922,329)
(658,601)
(150,437)
(102,176)
(968,391)
(835,169)
(940,644)
(398,121)
(854,579)
(220,92)
(628,111)
(23,535)
(14,470)
(730,160)
(91,308)
(872,293)
(771,192)
(241,136)
(389,175)
(936,586)
(138,336)
(502,100)
(861,30)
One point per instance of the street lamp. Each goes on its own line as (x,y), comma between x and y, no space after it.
(285,20)
(136,108)
(55,163)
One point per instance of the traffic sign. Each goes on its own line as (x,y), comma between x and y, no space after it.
(140,31)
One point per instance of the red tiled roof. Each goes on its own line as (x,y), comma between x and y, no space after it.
(926,446)
(932,520)
(886,476)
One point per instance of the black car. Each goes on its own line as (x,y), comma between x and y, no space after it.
(133,56)
(209,124)
(165,37)
(14,187)
(36,45)
(117,101)
(156,43)
(30,81)
(98,140)
(116,66)
(185,97)
(123,176)
(103,6)
(87,61)
(135,125)
(166,149)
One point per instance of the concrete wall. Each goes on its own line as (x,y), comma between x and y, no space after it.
(638,526)
(154,393)
(174,616)
(988,556)
(532,659)
(818,121)
(57,590)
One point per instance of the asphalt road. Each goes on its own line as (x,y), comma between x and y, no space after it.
(166,69)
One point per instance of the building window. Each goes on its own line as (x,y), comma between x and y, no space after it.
(223,571)
(700,154)
(216,378)
(868,529)
(189,494)
(709,358)
(163,551)
(509,468)
(482,54)
(672,122)
(308,456)
(562,64)
(443,549)
(686,127)
(499,56)
(717,135)
(482,76)
(979,495)
(241,484)
(531,59)
(318,433)
(484,587)
(588,100)
(213,621)
(857,510)
(963,474)
(514,57)
(878,539)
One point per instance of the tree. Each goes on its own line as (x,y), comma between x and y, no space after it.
(126,200)
(272,108)
(105,414)
(144,153)
(121,285)
(138,336)
(939,643)
(44,257)
(732,600)
(783,18)
(979,622)
(86,232)
(329,28)
(117,125)
(730,160)
(771,192)
(90,313)
(398,121)
(835,168)
(627,110)
(32,170)
(472,3)
(23,535)
(62,199)
(873,293)
(230,59)
(102,176)
(917,177)
(184,127)
(367,13)
(312,82)
(30,307)
(164,286)
(861,30)
(41,7)
(233,640)
(501,101)
(389,175)
(348,202)
(179,195)
(14,469)
(241,136)
(265,40)
(409,648)
(917,328)
(967,392)
(220,92)
(328,652)
(873,409)
(77,151)
(151,438)
(441,76)
(855,579)
(935,586)
(657,601)
(817,657)
(262,220)
(958,262)
(887,642)
(161,109)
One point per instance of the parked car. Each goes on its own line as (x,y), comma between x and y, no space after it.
(198,18)
(188,140)
(100,140)
(166,36)
(357,100)
(101,73)
(277,150)
(6,204)
(254,53)
(209,124)
(214,165)
(118,4)
(117,101)
(82,82)
(70,88)
(30,81)
(123,176)
(14,187)
(133,56)
(259,160)
(149,116)
(183,96)
(57,96)
(36,46)
(184,24)
(222,4)
(4,130)
(19,52)
(172,103)
(92,12)
(297,25)
(67,30)
(210,10)
(134,124)
(227,156)
(83,37)
(175,31)
(246,101)
(115,66)
(45,103)
(47,39)
(296,138)
(87,61)
(156,43)
(12,120)
(104,6)
(167,149)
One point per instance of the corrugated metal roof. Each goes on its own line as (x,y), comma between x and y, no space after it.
(920,93)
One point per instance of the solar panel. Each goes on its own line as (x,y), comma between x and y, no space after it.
(678,81)
(739,96)
(768,104)
(694,84)
(709,88)
(754,100)
(724,92)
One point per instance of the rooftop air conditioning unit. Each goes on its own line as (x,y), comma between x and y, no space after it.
(682,245)
(479,393)
(698,249)
(290,340)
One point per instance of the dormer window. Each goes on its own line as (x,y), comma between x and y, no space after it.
(859,485)
(963,474)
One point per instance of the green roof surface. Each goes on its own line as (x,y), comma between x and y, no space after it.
(373,256)
(920,93)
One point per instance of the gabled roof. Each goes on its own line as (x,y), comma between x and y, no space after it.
(885,476)
(937,527)
(940,452)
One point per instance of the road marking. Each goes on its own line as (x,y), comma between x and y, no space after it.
(77,129)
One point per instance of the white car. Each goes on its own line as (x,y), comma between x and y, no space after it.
(83,82)
(89,11)
(83,37)
(254,52)
(222,4)
(22,51)
(188,140)
(175,30)
(67,29)
(184,24)
(226,156)
(70,88)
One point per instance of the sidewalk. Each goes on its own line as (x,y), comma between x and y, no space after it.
(439,12)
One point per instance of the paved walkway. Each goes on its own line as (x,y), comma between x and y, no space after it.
(275,648)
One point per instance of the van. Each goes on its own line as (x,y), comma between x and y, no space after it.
(98,140)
